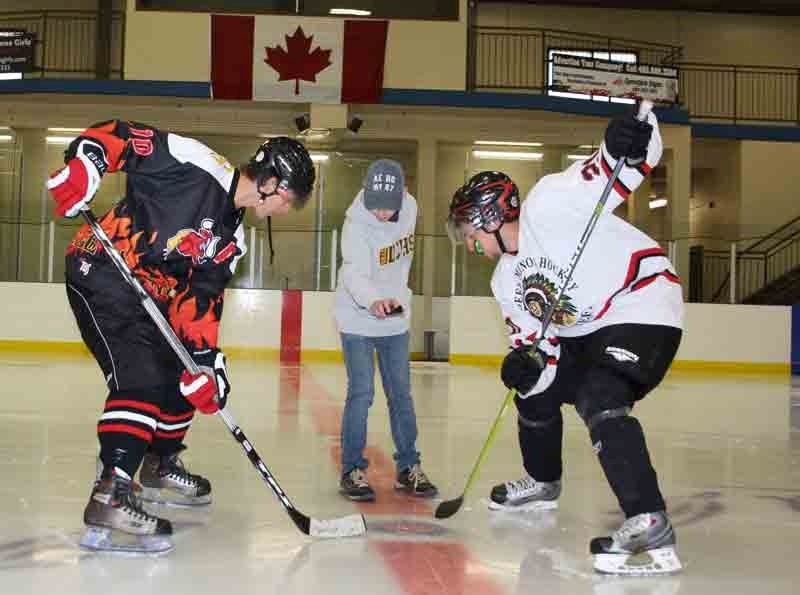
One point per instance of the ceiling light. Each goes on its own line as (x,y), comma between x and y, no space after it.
(319,157)
(521,155)
(59,140)
(5,138)
(577,157)
(587,146)
(75,130)
(10,76)
(351,12)
(503,143)
(658,203)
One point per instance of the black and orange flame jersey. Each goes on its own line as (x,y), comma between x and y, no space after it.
(177,226)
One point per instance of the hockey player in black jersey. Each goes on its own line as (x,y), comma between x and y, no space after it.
(613,334)
(179,229)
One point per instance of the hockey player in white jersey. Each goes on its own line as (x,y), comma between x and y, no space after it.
(613,334)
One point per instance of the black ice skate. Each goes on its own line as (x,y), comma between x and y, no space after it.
(644,544)
(525,494)
(414,481)
(354,485)
(165,480)
(116,521)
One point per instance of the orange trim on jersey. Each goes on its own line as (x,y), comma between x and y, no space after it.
(114,145)
(125,429)
(124,404)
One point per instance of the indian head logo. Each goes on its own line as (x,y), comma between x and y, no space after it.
(539,293)
(198,244)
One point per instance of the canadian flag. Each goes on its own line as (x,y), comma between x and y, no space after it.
(313,60)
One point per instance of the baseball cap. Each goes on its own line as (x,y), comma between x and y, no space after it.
(384,185)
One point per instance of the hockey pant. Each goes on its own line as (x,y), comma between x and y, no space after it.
(602,374)
(144,409)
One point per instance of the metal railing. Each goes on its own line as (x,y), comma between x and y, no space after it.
(752,268)
(516,58)
(66,41)
(740,93)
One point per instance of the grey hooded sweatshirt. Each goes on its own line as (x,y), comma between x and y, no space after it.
(376,260)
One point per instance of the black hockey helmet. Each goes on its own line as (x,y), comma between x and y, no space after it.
(485,202)
(287,160)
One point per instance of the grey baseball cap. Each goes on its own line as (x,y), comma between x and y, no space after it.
(384,185)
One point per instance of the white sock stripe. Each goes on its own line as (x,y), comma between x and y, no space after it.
(171,427)
(129,416)
(99,332)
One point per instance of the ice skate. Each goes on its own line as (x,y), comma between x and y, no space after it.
(525,494)
(643,545)
(165,480)
(116,522)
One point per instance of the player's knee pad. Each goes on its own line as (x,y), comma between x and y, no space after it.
(595,418)
(539,423)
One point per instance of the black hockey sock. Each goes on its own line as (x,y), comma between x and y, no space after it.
(174,422)
(620,445)
(540,443)
(126,427)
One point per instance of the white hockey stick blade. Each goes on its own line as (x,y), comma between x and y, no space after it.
(348,526)
(662,560)
(106,540)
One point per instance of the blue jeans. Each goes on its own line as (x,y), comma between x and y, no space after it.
(395,374)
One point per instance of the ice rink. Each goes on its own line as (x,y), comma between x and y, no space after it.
(727,450)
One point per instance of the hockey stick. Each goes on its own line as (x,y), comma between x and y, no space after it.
(449,507)
(347,526)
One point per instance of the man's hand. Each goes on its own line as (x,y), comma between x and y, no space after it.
(208,390)
(627,137)
(522,367)
(74,185)
(383,308)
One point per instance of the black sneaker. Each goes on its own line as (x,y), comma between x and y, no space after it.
(414,481)
(355,486)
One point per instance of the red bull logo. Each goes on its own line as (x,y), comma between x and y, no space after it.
(198,244)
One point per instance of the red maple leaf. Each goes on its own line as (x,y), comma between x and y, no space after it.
(299,62)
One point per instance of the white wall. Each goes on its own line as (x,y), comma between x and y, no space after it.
(712,332)
(40,312)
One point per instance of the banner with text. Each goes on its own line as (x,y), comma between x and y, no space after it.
(16,51)
(590,76)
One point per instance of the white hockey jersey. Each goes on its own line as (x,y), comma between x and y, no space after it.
(622,277)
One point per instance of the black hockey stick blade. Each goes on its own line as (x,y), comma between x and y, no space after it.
(448,508)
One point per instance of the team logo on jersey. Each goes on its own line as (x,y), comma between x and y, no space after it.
(539,293)
(198,244)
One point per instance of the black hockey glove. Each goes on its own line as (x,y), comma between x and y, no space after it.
(522,368)
(628,137)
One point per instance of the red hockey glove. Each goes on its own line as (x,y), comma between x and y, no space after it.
(74,185)
(208,390)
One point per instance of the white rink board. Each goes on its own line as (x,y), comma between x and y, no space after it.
(712,332)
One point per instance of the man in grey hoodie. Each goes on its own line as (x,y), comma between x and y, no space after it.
(373,310)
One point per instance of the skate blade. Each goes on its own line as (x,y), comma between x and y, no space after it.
(536,505)
(103,539)
(166,497)
(662,560)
